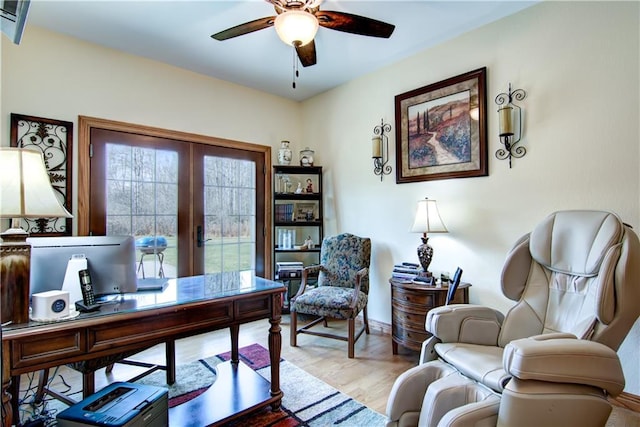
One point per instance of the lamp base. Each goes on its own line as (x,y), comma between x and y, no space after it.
(15,260)
(425,254)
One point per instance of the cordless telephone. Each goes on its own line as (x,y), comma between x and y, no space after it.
(88,302)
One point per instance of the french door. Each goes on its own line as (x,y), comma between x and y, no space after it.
(193,208)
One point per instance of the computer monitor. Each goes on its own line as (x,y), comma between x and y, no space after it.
(111,261)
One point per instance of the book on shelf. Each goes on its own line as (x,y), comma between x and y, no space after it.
(284,212)
(288,274)
(289,270)
(289,265)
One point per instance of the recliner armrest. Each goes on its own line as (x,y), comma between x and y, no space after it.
(562,358)
(407,393)
(468,323)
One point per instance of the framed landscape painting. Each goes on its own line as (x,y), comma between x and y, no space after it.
(441,130)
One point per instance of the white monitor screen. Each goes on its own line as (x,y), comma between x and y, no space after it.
(111,261)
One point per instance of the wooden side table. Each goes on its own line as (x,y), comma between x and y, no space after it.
(410,303)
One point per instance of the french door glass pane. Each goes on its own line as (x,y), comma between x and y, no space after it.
(142,200)
(230,214)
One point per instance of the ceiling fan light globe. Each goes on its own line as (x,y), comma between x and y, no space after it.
(296,27)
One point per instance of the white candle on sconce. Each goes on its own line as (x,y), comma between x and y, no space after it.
(376,142)
(506,124)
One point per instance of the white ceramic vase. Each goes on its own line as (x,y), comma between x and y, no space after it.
(284,153)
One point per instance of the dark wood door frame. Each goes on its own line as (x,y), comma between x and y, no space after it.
(85,126)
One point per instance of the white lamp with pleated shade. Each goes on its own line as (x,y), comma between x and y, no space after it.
(427,220)
(25,192)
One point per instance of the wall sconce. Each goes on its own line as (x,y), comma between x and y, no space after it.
(380,149)
(510,121)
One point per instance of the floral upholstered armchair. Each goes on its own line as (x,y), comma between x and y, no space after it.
(342,290)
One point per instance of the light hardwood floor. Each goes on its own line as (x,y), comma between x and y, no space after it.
(367,378)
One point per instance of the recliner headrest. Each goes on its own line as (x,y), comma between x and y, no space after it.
(555,243)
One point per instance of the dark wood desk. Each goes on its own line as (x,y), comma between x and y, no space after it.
(188,306)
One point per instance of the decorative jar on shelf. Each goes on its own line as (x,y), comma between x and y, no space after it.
(306,157)
(284,153)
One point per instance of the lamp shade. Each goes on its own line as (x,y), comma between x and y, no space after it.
(427,219)
(296,26)
(25,187)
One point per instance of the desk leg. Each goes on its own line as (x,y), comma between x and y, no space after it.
(6,408)
(235,331)
(170,354)
(275,347)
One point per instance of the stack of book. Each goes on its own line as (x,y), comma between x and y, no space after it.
(406,271)
(289,270)
(284,212)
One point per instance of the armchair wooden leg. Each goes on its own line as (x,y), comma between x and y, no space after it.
(293,329)
(109,368)
(351,339)
(365,318)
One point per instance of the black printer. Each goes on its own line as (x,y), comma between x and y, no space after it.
(120,405)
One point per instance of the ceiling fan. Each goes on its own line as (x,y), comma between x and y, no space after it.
(297,22)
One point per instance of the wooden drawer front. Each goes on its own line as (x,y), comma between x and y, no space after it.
(45,348)
(420,299)
(256,307)
(135,332)
(409,320)
(410,338)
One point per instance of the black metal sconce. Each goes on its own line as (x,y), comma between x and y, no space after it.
(380,149)
(510,121)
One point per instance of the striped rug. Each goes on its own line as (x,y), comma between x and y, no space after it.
(307,400)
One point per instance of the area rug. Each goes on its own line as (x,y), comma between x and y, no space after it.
(307,400)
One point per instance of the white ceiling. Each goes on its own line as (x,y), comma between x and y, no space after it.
(178,32)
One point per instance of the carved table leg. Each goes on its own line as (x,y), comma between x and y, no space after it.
(7,410)
(275,347)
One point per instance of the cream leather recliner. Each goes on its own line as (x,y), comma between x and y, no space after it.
(551,361)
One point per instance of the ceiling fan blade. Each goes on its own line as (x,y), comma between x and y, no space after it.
(354,24)
(307,54)
(246,28)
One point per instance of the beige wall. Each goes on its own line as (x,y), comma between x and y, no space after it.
(55,76)
(581,131)
(581,135)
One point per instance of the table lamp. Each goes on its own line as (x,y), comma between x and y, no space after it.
(427,220)
(25,192)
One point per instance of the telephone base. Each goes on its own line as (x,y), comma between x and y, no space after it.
(86,308)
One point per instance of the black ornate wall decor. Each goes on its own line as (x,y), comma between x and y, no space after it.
(54,139)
